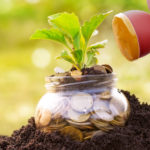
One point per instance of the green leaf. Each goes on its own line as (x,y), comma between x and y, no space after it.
(52,34)
(98,45)
(64,55)
(69,24)
(54,26)
(53,17)
(76,41)
(78,55)
(91,59)
(82,42)
(89,26)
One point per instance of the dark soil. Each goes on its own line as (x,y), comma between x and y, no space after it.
(134,136)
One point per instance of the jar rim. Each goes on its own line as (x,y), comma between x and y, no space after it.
(93,75)
(90,82)
(82,82)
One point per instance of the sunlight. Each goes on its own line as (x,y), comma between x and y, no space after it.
(5,6)
(41,58)
(32,1)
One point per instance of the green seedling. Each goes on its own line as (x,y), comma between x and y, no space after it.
(65,28)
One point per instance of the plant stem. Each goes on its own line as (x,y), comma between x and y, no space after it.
(84,54)
(76,66)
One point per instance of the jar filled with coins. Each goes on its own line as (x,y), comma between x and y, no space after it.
(81,106)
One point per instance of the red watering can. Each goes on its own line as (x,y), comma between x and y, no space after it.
(132,33)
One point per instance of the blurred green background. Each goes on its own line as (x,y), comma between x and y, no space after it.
(25,63)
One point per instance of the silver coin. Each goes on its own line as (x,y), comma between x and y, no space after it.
(62,108)
(103,115)
(54,103)
(119,103)
(101,105)
(76,116)
(105,95)
(79,123)
(81,102)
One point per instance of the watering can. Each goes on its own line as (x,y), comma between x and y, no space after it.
(132,33)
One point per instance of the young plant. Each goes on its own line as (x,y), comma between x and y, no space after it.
(66,29)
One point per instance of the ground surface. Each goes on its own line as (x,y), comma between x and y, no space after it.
(134,136)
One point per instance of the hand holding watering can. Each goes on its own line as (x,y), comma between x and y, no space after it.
(132,33)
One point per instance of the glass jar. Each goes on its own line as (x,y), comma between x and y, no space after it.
(81,107)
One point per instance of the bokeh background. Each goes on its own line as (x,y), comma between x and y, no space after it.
(24,63)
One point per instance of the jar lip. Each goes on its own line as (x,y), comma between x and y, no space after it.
(80,83)
(96,75)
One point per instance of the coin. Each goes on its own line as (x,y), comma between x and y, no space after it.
(58,77)
(97,134)
(102,125)
(88,134)
(101,105)
(99,68)
(120,108)
(74,133)
(81,125)
(108,68)
(115,107)
(50,101)
(59,70)
(51,106)
(46,130)
(81,102)
(61,109)
(119,103)
(105,95)
(76,116)
(104,115)
(76,74)
(42,117)
(118,121)
(95,119)
(53,127)
(57,126)
(37,117)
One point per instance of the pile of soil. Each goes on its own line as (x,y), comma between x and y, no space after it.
(135,135)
